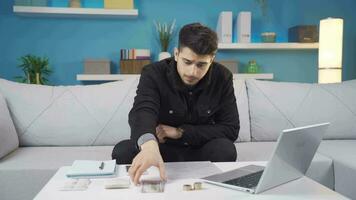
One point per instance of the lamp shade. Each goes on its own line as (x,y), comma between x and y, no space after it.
(330,50)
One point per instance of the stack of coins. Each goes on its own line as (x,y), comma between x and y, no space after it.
(196,186)
(187,187)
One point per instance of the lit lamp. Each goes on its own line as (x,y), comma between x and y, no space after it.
(330,50)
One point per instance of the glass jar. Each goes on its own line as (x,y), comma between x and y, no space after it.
(252,67)
(269,37)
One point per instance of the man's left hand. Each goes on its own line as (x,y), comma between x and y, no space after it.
(164,131)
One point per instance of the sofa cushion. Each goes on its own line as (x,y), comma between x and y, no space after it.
(8,137)
(84,115)
(52,158)
(345,176)
(275,106)
(321,170)
(343,153)
(242,106)
(70,115)
(25,171)
(254,151)
(338,149)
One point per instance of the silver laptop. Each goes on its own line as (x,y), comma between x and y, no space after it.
(291,159)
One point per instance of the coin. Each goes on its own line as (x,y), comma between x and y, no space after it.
(187,187)
(197,186)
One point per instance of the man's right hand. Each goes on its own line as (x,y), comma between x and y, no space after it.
(147,157)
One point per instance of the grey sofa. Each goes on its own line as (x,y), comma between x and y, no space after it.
(43,128)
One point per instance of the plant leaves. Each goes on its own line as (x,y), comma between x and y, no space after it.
(32,65)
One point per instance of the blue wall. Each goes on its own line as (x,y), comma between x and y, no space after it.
(67,41)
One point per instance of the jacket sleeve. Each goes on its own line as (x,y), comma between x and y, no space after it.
(143,116)
(227,123)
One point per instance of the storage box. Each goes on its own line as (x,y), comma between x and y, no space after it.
(97,66)
(39,3)
(58,3)
(75,3)
(232,65)
(133,66)
(93,3)
(31,2)
(118,4)
(243,27)
(303,34)
(23,2)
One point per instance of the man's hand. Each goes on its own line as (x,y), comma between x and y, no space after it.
(148,156)
(164,131)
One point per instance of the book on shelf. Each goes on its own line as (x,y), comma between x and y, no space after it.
(132,61)
(135,54)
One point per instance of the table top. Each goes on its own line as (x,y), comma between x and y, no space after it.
(303,188)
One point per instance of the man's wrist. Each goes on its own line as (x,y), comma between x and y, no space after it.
(145,138)
(149,145)
(180,132)
(186,130)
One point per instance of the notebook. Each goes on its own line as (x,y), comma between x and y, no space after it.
(88,168)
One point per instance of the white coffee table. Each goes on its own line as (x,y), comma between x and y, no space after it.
(303,188)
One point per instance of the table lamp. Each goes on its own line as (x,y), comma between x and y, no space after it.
(330,50)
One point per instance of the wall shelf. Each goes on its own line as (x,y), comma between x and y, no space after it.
(268,46)
(120,77)
(74,12)
(104,77)
(243,76)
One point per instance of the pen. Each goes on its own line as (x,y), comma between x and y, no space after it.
(101,166)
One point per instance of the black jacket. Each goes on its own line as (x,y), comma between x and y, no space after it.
(205,111)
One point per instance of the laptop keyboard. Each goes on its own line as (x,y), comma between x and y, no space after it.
(248,181)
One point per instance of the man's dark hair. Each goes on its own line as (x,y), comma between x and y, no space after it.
(199,38)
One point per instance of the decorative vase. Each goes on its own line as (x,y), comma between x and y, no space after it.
(38,78)
(28,78)
(75,4)
(252,67)
(164,55)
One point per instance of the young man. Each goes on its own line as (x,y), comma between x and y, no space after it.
(185,108)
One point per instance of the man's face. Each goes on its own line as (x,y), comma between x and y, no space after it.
(191,67)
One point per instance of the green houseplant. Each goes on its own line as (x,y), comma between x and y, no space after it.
(165,33)
(36,70)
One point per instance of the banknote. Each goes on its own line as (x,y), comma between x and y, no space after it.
(128,167)
(152,186)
